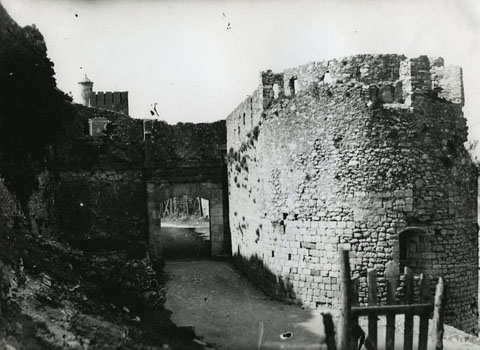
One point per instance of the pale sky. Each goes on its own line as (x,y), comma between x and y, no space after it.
(181,54)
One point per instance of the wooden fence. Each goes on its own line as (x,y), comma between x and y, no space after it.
(352,336)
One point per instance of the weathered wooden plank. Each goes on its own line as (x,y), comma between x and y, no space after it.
(409,295)
(372,301)
(424,298)
(346,302)
(391,274)
(439,314)
(414,309)
(390,332)
(355,286)
(329,331)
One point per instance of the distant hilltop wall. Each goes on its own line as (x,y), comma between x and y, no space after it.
(113,101)
(364,153)
(116,101)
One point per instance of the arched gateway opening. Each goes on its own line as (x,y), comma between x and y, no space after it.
(185,229)
(159,194)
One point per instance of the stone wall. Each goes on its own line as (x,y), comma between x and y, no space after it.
(186,142)
(97,207)
(121,145)
(245,117)
(358,153)
(102,194)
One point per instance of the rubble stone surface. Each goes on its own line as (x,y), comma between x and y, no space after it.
(363,153)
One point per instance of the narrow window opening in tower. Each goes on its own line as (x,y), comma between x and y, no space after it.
(243,118)
(276,90)
(104,99)
(410,249)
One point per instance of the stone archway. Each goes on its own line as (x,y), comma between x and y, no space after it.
(157,193)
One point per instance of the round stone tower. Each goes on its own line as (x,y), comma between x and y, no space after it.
(364,153)
(84,90)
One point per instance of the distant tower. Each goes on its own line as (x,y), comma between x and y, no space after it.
(85,89)
(116,101)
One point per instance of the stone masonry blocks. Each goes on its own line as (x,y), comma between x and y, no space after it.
(364,153)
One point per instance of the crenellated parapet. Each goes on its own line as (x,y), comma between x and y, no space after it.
(113,101)
(116,101)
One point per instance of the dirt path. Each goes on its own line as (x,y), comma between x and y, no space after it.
(226,310)
(229,312)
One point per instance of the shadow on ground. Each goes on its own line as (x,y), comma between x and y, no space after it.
(184,243)
(226,310)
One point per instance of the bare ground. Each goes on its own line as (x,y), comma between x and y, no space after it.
(227,311)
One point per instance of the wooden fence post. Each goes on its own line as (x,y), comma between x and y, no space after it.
(438,314)
(391,274)
(372,301)
(346,302)
(348,325)
(424,298)
(354,285)
(409,295)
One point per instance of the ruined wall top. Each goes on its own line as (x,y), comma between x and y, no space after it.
(395,80)
(414,75)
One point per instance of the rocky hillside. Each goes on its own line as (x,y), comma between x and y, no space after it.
(53,296)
